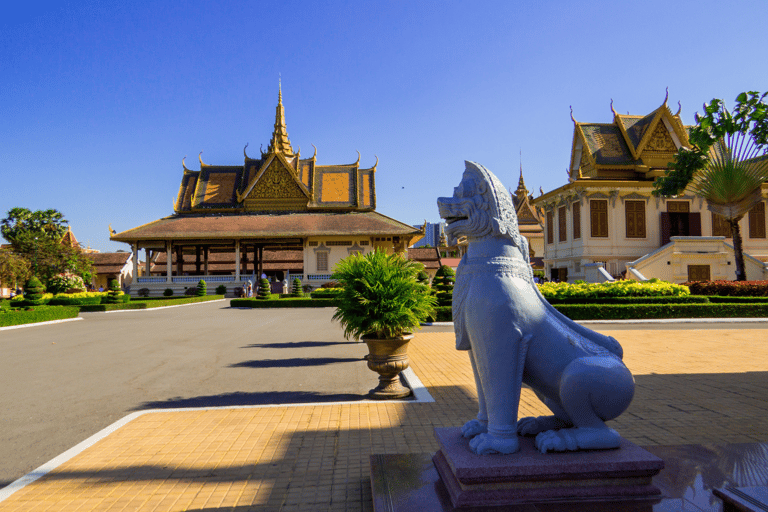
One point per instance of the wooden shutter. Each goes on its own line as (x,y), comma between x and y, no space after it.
(694,224)
(576,209)
(550,227)
(561,227)
(598,212)
(757,221)
(635,218)
(720,226)
(666,228)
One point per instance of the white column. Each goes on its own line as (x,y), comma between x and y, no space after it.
(169,257)
(237,261)
(135,257)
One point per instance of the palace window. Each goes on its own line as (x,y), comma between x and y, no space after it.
(561,227)
(322,261)
(576,212)
(598,212)
(720,226)
(757,221)
(635,216)
(550,227)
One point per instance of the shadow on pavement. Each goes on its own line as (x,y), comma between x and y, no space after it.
(240,398)
(293,362)
(299,344)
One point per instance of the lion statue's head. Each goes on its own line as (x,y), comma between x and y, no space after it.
(481,207)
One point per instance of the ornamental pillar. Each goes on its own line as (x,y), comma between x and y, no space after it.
(135,257)
(237,261)
(168,262)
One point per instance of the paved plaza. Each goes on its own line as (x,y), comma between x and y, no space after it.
(704,385)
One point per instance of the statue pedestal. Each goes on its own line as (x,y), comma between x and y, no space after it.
(532,477)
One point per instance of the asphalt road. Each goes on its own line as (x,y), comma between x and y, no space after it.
(64,382)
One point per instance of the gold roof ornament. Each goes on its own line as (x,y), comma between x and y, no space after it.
(200,158)
(666,97)
(376,165)
(244,153)
(315,155)
(280,142)
(612,109)
(358,158)
(521,191)
(679,109)
(185,165)
(572,119)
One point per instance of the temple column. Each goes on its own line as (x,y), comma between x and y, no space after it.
(168,262)
(135,248)
(148,258)
(197,260)
(205,258)
(260,269)
(237,261)
(179,260)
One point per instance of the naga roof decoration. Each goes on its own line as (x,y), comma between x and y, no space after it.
(279,180)
(631,147)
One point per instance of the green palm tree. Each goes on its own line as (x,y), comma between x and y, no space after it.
(727,164)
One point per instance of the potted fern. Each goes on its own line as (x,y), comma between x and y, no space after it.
(382,302)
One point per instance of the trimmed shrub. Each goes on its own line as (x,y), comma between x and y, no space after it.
(422,277)
(651,311)
(681,299)
(168,292)
(730,288)
(202,288)
(33,291)
(326,293)
(112,307)
(306,288)
(264,290)
(738,300)
(442,285)
(74,301)
(143,292)
(115,294)
(296,290)
(221,289)
(36,314)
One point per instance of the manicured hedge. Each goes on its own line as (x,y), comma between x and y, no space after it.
(326,293)
(442,314)
(36,314)
(730,288)
(738,300)
(652,311)
(282,303)
(157,302)
(77,301)
(112,307)
(680,299)
(625,288)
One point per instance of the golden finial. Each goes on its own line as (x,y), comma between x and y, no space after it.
(358,158)
(376,164)
(612,109)
(183,164)
(541,191)
(572,119)
(244,153)
(111,231)
(200,157)
(679,108)
(666,97)
(315,155)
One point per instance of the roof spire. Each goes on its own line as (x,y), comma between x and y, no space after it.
(280,142)
(521,193)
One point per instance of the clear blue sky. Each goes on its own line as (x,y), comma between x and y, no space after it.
(99,101)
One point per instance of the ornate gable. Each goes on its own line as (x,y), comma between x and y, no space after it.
(660,140)
(275,187)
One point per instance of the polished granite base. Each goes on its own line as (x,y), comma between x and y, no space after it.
(529,476)
(410,482)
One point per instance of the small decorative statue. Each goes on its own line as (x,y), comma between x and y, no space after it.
(515,336)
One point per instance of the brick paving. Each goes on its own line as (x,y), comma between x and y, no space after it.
(693,386)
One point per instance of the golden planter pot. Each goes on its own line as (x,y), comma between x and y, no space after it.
(388,357)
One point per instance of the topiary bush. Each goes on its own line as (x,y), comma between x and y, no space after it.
(442,285)
(422,277)
(264,290)
(115,294)
(202,289)
(190,292)
(296,291)
(168,292)
(221,289)
(143,292)
(33,291)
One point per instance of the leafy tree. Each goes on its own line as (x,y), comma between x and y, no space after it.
(726,164)
(14,269)
(36,237)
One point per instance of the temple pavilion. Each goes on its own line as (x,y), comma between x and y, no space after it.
(278,215)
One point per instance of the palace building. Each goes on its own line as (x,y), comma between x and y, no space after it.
(277,214)
(605,222)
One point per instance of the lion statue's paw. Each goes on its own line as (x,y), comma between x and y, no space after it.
(532,425)
(572,439)
(484,444)
(474,427)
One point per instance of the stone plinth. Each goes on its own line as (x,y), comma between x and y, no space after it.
(532,477)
